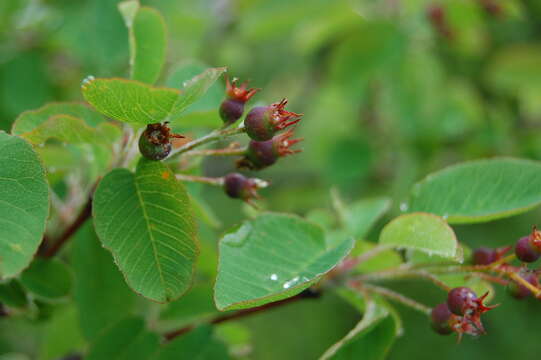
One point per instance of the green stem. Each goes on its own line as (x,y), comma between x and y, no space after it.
(395,296)
(201,179)
(211,137)
(404,273)
(218,152)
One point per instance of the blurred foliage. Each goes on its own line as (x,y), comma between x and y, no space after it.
(388,94)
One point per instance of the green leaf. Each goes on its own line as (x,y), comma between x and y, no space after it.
(48,279)
(101,295)
(424,232)
(61,335)
(24,204)
(197,304)
(138,103)
(146,221)
(515,68)
(272,257)
(12,294)
(29,120)
(72,130)
(126,340)
(370,339)
(196,87)
(480,191)
(385,260)
(359,217)
(148,43)
(198,344)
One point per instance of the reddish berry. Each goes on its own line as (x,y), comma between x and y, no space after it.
(460,300)
(261,154)
(441,318)
(238,186)
(484,256)
(528,248)
(155,141)
(232,107)
(263,122)
(520,291)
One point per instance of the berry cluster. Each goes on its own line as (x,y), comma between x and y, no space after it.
(462,311)
(264,126)
(460,314)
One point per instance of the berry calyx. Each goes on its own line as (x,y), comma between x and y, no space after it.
(441,318)
(263,122)
(519,291)
(528,248)
(238,186)
(232,107)
(261,154)
(155,141)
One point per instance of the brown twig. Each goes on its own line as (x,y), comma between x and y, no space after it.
(70,230)
(307,294)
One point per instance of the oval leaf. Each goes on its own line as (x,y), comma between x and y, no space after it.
(272,257)
(424,232)
(48,279)
(148,41)
(102,297)
(480,191)
(71,130)
(29,120)
(138,103)
(24,204)
(127,339)
(146,221)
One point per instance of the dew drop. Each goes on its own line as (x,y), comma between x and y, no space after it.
(291,282)
(274,277)
(87,80)
(404,207)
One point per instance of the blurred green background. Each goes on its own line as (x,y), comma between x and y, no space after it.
(391,91)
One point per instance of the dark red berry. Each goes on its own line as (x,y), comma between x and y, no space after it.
(232,107)
(526,250)
(261,154)
(155,141)
(263,122)
(520,291)
(484,256)
(461,300)
(441,318)
(238,186)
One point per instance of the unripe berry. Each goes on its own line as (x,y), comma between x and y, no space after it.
(263,122)
(440,319)
(155,141)
(461,301)
(484,256)
(238,186)
(232,107)
(526,249)
(261,154)
(519,291)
